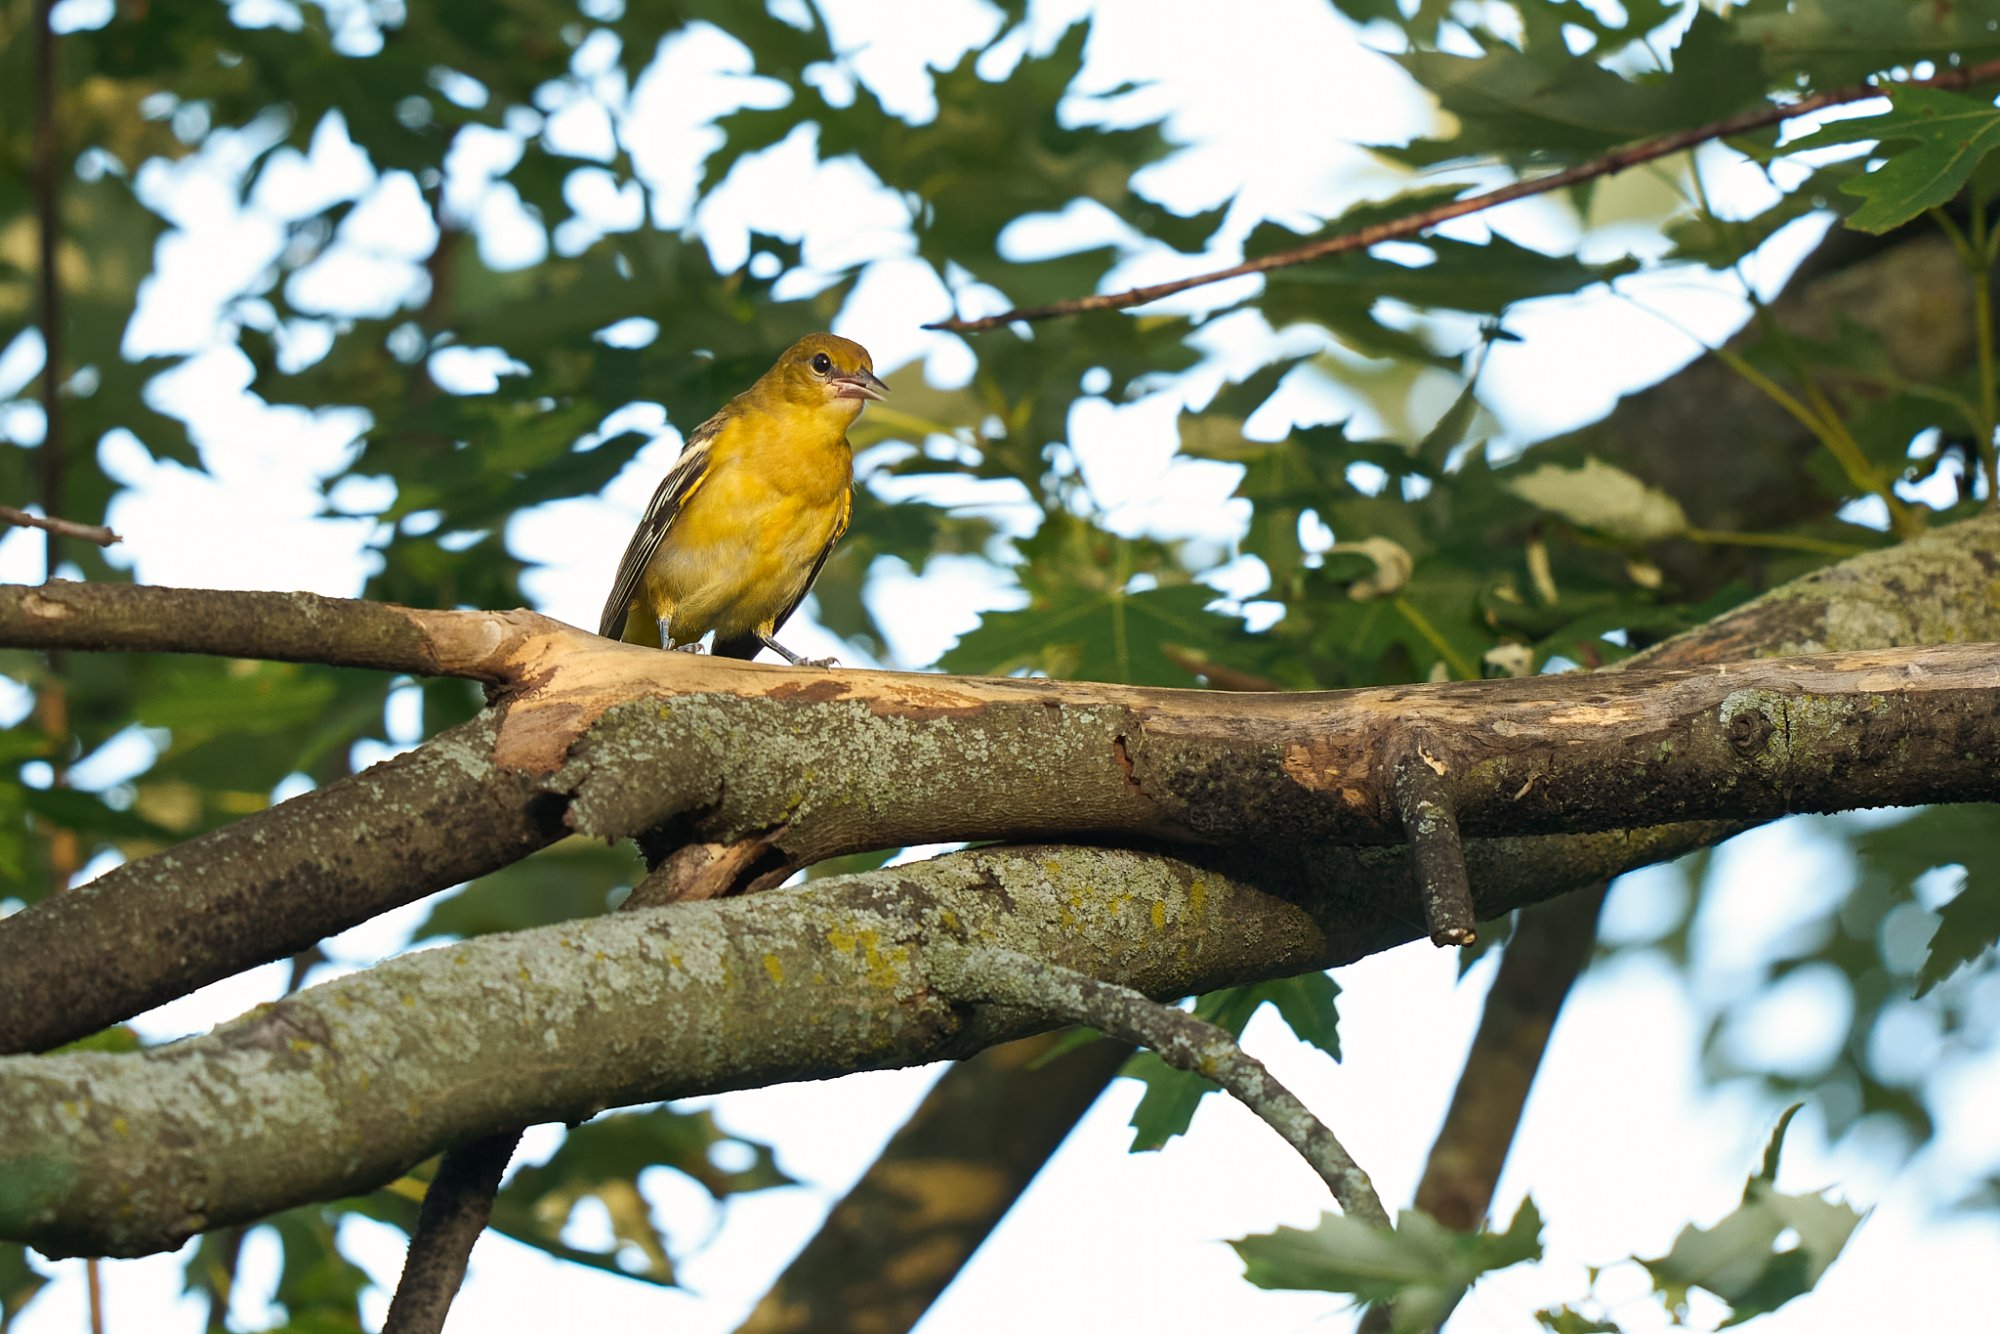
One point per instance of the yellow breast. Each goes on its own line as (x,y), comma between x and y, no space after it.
(745,542)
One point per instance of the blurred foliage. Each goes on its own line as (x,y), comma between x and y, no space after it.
(1403,542)
(1422,1267)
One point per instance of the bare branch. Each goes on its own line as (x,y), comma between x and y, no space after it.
(454,1213)
(1417,223)
(97,534)
(266,886)
(276,627)
(1006,977)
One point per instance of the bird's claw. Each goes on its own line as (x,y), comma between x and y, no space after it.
(690,648)
(821,663)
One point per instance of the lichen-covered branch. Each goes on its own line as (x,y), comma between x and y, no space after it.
(613,740)
(347,1084)
(1022,982)
(267,886)
(828,766)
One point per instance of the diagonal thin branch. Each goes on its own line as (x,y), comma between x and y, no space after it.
(96,533)
(1010,978)
(454,1213)
(1415,224)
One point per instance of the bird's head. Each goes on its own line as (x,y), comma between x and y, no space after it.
(827,372)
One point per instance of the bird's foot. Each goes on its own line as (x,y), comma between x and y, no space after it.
(690,648)
(821,663)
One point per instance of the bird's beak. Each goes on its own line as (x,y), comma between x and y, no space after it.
(861,384)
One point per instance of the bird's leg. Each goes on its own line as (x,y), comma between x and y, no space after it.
(794,658)
(667,639)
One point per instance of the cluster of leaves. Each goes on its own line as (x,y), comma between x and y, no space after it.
(1771,1248)
(1446,559)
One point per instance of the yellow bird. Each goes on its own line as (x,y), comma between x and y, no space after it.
(750,511)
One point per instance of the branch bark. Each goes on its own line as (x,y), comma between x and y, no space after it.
(611,740)
(454,1213)
(350,1083)
(265,887)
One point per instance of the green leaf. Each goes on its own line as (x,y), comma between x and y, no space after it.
(1601,497)
(1968,927)
(1740,1259)
(1949,135)
(1422,1267)
(19,1283)
(1767,1171)
(317,1280)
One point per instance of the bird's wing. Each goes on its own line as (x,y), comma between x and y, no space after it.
(746,646)
(681,481)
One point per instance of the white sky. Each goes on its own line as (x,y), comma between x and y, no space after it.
(1621,1144)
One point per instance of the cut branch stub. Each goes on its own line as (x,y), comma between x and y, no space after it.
(1424,803)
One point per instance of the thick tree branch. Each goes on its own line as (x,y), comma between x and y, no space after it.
(1423,220)
(350,1083)
(1538,755)
(879,746)
(1022,982)
(266,886)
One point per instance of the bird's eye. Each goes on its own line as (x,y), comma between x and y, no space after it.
(822,364)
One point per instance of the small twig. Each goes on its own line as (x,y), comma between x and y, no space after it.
(85,532)
(1006,977)
(1437,855)
(1414,224)
(454,1213)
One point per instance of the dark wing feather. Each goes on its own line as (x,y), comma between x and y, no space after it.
(679,483)
(747,646)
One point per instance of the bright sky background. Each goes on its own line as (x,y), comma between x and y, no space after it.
(1621,1144)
